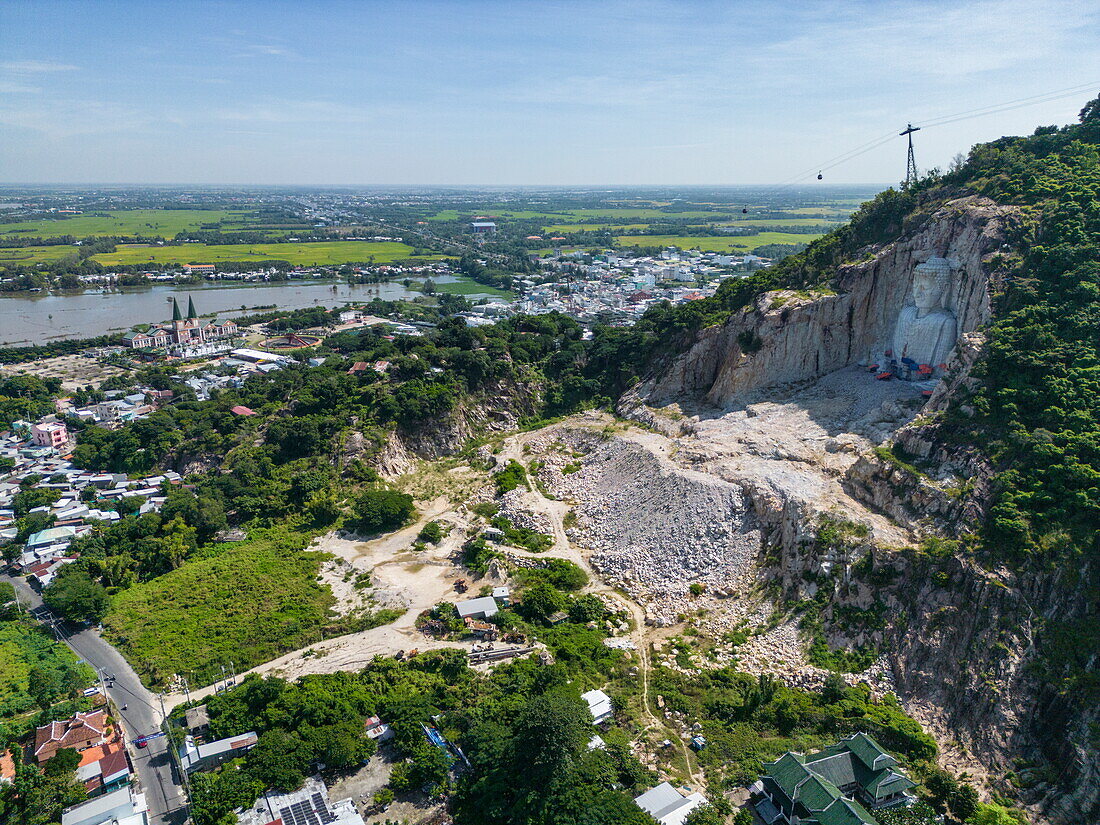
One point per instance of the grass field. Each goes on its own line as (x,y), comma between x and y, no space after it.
(164,222)
(23,647)
(466,287)
(745,221)
(591,227)
(248,604)
(749,220)
(730,243)
(565,215)
(35,254)
(306,254)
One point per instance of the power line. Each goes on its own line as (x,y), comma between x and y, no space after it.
(1004,106)
(930,123)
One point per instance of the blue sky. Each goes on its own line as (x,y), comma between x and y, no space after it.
(517,92)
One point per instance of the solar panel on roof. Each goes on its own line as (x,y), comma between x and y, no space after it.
(287,816)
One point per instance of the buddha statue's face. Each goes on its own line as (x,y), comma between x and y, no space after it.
(927,289)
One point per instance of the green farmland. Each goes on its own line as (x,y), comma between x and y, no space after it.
(592,227)
(729,243)
(249,603)
(305,254)
(26,255)
(467,287)
(164,222)
(564,215)
(743,221)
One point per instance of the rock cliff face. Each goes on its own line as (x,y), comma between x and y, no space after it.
(962,643)
(788,337)
(499,407)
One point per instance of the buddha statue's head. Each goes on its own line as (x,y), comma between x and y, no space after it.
(930,282)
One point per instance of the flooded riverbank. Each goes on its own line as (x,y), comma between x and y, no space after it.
(44,317)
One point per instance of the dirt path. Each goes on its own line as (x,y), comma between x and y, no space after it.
(563,548)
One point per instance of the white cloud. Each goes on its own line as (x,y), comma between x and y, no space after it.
(12,87)
(35,66)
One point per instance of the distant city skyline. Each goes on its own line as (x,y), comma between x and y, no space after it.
(521,93)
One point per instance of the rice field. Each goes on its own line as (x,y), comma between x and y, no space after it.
(164,222)
(26,255)
(304,254)
(728,243)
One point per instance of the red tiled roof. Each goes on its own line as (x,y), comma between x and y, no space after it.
(82,730)
(113,763)
(239,410)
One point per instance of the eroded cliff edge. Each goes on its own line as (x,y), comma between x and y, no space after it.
(775,402)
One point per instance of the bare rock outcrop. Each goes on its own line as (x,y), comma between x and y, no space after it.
(787,337)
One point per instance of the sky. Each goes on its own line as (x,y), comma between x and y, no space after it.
(507,92)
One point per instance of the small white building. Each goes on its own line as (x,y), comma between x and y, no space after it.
(599,705)
(481,608)
(667,805)
(121,807)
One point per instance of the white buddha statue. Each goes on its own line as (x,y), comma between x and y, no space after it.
(926,330)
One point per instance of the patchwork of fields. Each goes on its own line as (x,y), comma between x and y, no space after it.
(164,222)
(730,243)
(305,254)
(35,254)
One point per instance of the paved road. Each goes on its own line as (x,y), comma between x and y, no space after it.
(142,714)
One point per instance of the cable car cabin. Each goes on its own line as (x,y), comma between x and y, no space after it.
(884,376)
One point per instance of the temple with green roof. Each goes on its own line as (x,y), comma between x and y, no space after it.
(839,785)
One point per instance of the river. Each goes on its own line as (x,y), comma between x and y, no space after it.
(40,318)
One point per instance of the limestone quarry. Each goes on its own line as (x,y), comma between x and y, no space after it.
(773,424)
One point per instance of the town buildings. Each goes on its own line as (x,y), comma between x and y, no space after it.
(83,499)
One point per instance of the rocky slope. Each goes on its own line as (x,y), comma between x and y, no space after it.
(805,335)
(772,402)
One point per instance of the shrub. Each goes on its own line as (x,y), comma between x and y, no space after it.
(431,532)
(512,476)
(381,510)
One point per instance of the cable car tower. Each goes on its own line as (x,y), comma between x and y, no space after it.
(911,166)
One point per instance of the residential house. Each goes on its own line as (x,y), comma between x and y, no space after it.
(84,730)
(50,434)
(378,730)
(195,757)
(835,786)
(103,768)
(308,804)
(122,807)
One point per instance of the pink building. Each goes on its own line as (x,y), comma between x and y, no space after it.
(49,435)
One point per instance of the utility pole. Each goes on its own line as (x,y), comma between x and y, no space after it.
(911,166)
